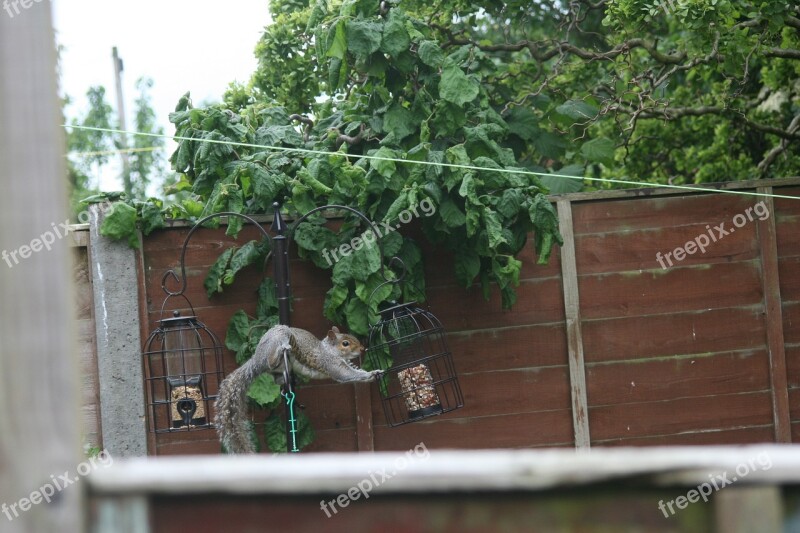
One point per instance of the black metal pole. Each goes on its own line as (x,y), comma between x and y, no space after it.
(280,264)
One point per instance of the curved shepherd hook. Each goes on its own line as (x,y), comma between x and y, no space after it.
(280,245)
(279,227)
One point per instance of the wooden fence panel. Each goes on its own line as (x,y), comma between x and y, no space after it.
(677,355)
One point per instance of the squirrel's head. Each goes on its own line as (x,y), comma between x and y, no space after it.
(347,345)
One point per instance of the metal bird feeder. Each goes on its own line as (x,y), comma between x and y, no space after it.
(183,365)
(421,380)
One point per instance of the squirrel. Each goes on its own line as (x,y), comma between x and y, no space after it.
(309,356)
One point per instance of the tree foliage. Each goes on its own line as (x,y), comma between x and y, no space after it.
(380,105)
(91,151)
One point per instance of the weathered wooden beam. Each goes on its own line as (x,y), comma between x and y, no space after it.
(39,413)
(364,433)
(572,308)
(768,246)
(705,188)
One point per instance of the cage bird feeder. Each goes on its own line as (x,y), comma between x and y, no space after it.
(420,381)
(183,365)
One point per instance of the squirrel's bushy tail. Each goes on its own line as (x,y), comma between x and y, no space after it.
(231,415)
(231,410)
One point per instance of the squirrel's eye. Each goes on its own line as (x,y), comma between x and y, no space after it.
(345,343)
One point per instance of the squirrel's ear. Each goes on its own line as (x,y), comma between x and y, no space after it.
(335,329)
(332,334)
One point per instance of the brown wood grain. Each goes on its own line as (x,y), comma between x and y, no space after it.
(677,377)
(789,275)
(649,213)
(590,511)
(772,307)
(787,223)
(747,435)
(676,290)
(794,404)
(539,302)
(502,392)
(544,428)
(680,415)
(636,249)
(793,366)
(791,322)
(695,332)
(508,348)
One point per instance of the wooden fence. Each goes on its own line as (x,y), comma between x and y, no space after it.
(604,347)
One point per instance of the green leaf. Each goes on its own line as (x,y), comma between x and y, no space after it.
(267,304)
(213,281)
(314,237)
(366,291)
(366,261)
(559,185)
(494,228)
(549,145)
(335,77)
(363,37)
(193,207)
(395,37)
(399,121)
(456,87)
(431,54)
(384,168)
(523,123)
(508,274)
(334,298)
(400,204)
(275,431)
(244,256)
(545,220)
(120,223)
(358,317)
(235,205)
(577,110)
(391,243)
(510,203)
(337,41)
(238,331)
(467,265)
(265,392)
(451,215)
(600,150)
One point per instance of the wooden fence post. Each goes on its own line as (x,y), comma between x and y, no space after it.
(39,413)
(572,309)
(768,247)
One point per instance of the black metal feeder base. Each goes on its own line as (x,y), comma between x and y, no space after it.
(425,412)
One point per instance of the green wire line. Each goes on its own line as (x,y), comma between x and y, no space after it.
(435,164)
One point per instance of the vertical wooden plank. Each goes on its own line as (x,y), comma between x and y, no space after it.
(122,514)
(39,385)
(364,432)
(768,247)
(577,370)
(144,328)
(749,510)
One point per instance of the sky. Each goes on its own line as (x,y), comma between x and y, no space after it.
(183,45)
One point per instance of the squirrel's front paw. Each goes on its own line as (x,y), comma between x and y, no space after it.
(376,374)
